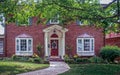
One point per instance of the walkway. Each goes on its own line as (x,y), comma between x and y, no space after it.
(54,69)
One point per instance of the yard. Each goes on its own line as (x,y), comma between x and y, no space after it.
(12,67)
(93,69)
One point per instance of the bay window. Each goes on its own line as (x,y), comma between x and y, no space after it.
(24,46)
(85,46)
(1,47)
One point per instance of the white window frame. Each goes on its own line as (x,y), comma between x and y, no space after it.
(55,22)
(3,19)
(24,53)
(1,51)
(85,53)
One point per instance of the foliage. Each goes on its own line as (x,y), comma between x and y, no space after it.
(13,67)
(69,49)
(88,11)
(20,58)
(93,69)
(35,59)
(109,53)
(38,60)
(82,60)
(35,55)
(69,61)
(117,60)
(96,60)
(39,49)
(66,57)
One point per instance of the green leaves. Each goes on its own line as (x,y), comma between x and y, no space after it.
(89,11)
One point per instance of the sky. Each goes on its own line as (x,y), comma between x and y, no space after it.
(105,1)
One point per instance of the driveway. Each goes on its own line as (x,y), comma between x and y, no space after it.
(54,69)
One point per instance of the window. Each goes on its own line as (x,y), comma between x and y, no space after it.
(24,46)
(1,47)
(24,22)
(79,22)
(55,20)
(85,46)
(2,19)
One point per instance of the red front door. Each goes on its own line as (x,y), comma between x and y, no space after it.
(54,47)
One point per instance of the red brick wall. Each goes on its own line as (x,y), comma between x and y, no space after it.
(12,31)
(74,31)
(113,41)
(36,31)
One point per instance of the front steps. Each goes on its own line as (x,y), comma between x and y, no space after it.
(55,58)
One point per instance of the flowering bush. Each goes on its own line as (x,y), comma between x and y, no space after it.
(35,55)
(75,56)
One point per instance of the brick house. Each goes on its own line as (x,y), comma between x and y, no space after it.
(113,39)
(84,40)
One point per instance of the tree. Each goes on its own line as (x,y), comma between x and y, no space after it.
(89,11)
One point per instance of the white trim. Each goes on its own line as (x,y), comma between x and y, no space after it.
(27,52)
(60,31)
(57,17)
(46,43)
(57,27)
(2,48)
(82,52)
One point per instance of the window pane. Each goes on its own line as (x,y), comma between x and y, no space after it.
(29,45)
(92,45)
(55,20)
(17,45)
(79,45)
(23,45)
(1,47)
(86,44)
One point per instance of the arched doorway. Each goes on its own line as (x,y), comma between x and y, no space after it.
(54,37)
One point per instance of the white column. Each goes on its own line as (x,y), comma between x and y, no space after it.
(63,45)
(46,43)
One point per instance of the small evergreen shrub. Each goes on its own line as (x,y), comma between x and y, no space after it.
(96,60)
(14,57)
(69,61)
(109,53)
(38,60)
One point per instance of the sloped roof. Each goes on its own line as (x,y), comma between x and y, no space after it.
(112,35)
(55,27)
(24,36)
(85,35)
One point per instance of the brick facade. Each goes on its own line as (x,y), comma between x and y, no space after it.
(75,31)
(113,41)
(36,31)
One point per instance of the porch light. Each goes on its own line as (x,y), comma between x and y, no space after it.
(54,31)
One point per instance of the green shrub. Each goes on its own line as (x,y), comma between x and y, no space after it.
(19,58)
(31,60)
(69,61)
(82,60)
(96,60)
(14,57)
(109,53)
(46,62)
(38,60)
(66,57)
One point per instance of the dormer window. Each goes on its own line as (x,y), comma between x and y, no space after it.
(24,22)
(79,22)
(2,19)
(55,20)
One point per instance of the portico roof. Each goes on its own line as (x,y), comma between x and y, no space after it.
(55,27)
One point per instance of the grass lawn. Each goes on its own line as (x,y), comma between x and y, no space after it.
(93,69)
(12,68)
